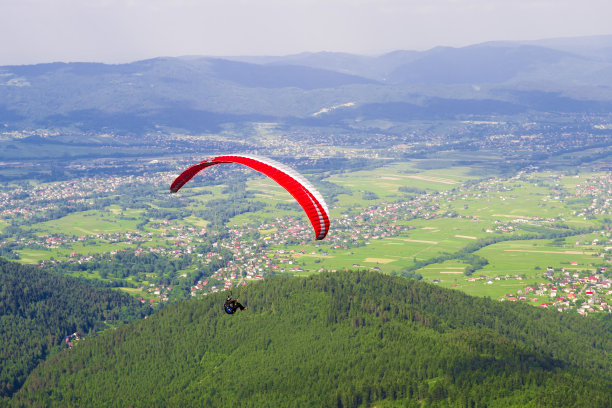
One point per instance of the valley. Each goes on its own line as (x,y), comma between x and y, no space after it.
(508,237)
(468,262)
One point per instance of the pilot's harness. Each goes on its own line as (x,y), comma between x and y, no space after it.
(227,307)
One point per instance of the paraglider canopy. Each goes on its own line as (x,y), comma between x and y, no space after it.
(305,194)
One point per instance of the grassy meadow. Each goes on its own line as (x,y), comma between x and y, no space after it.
(93,222)
(465,210)
(529,201)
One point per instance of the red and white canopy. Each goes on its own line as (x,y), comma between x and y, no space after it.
(306,195)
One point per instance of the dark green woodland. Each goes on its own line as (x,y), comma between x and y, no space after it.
(336,340)
(39,309)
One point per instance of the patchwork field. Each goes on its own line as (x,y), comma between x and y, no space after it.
(93,222)
(523,257)
(393,219)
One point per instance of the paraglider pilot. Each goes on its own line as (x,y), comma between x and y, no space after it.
(231,305)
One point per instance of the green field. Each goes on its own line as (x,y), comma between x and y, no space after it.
(36,255)
(386,180)
(92,223)
(455,209)
(530,258)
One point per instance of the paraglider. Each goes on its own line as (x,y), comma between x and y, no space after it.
(231,305)
(305,194)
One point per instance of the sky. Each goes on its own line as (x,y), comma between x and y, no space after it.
(117,31)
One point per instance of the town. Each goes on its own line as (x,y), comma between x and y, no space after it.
(105,222)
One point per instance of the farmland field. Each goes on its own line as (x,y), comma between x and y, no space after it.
(444,224)
(92,223)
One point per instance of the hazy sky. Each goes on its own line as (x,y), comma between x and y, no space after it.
(33,31)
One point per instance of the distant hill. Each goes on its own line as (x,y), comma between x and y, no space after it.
(282,76)
(337,339)
(597,47)
(200,94)
(479,64)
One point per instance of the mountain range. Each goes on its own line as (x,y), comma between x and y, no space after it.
(198,93)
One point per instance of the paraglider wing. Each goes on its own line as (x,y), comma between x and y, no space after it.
(306,195)
(188,174)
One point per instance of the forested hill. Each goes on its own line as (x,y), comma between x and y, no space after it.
(341,340)
(38,309)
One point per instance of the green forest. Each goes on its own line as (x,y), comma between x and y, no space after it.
(38,310)
(345,339)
